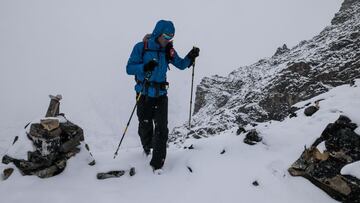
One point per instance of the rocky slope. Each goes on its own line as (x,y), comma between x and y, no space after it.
(267,89)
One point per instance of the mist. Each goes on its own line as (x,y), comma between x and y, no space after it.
(80,49)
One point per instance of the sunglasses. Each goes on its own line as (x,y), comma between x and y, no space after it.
(168,36)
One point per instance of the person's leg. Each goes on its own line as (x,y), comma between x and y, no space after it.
(161,132)
(145,130)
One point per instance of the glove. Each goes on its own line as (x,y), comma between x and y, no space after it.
(194,52)
(150,66)
(169,51)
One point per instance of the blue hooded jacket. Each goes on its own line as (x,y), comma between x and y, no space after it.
(135,65)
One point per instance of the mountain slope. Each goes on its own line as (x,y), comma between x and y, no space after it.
(267,89)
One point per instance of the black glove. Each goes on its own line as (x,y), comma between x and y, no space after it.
(194,52)
(150,66)
(169,51)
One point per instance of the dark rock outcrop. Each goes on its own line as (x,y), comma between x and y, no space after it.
(323,169)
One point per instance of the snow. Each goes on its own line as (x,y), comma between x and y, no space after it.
(352,169)
(216,177)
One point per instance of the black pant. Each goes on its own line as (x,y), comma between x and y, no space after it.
(152,113)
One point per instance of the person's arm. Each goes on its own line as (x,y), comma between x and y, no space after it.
(135,63)
(180,63)
(187,61)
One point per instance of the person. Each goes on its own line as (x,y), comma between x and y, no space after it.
(149,62)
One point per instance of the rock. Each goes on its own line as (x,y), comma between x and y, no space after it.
(52,170)
(132,171)
(223,151)
(255,183)
(50,124)
(292,112)
(7,173)
(352,83)
(45,141)
(281,50)
(323,169)
(240,130)
(292,115)
(309,111)
(252,137)
(189,147)
(110,174)
(54,106)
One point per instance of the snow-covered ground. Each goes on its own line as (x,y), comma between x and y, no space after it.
(216,177)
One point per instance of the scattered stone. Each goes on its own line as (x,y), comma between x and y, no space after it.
(110,174)
(240,130)
(196,136)
(7,173)
(352,83)
(132,171)
(323,169)
(189,147)
(292,115)
(309,111)
(252,137)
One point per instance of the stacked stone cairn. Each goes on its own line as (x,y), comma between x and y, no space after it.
(54,142)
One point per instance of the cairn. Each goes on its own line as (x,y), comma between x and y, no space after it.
(55,140)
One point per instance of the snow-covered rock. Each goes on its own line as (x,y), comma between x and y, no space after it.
(269,88)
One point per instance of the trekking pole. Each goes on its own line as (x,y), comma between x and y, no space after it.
(132,113)
(192,87)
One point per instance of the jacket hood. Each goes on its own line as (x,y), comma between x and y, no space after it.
(163,26)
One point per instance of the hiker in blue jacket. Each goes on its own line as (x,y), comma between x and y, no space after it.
(149,62)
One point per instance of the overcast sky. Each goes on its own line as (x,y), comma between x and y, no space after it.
(79,48)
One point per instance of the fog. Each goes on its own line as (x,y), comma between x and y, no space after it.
(79,48)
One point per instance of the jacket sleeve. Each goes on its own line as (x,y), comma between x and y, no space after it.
(179,62)
(135,63)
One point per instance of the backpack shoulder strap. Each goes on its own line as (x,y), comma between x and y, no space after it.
(145,41)
(145,48)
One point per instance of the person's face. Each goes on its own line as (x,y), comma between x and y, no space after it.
(164,39)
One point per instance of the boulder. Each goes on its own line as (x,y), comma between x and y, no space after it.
(323,168)
(252,137)
(309,111)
